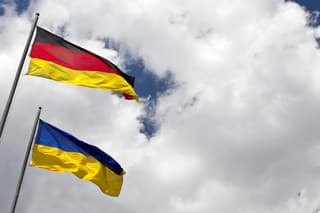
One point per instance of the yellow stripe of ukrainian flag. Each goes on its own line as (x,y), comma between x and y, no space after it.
(94,79)
(84,167)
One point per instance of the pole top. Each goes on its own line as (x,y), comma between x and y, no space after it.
(39,107)
(37,14)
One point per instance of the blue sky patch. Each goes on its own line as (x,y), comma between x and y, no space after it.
(21,5)
(1,10)
(147,85)
(311,6)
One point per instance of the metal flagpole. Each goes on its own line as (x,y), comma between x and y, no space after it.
(18,73)
(16,196)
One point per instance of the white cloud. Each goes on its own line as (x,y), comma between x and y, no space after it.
(239,134)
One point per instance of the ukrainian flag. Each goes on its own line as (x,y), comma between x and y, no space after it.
(58,151)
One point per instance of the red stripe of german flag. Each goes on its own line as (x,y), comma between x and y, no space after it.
(54,58)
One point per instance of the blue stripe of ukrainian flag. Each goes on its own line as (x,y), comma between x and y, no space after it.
(58,151)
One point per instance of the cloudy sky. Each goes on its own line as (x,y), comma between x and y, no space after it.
(229,119)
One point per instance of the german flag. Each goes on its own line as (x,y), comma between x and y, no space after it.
(54,58)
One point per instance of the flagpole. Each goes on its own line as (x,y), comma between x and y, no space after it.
(18,73)
(16,196)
